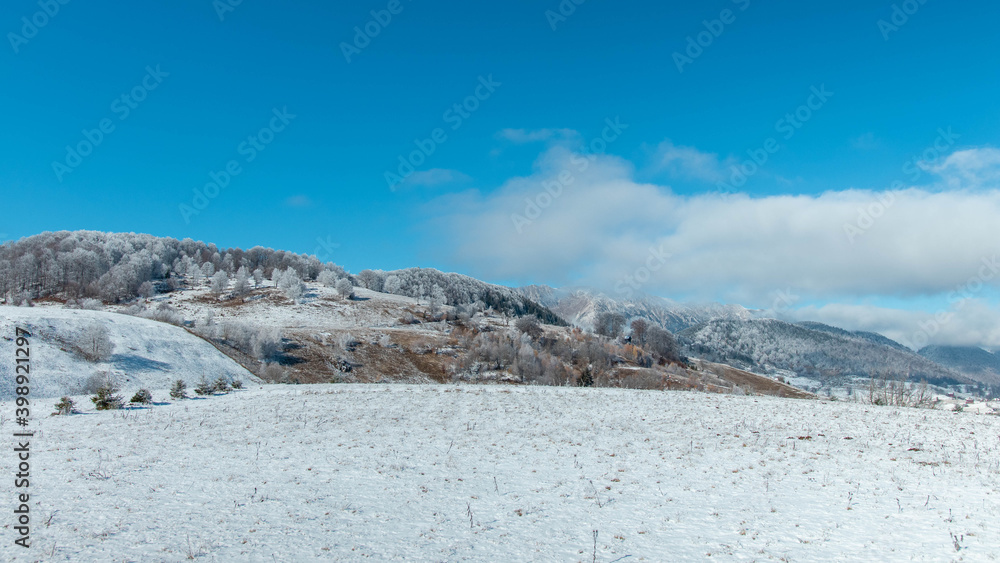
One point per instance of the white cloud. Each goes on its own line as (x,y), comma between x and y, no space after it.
(601,225)
(970,168)
(690,163)
(523,136)
(967,322)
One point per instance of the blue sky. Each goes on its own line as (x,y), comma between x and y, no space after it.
(220,79)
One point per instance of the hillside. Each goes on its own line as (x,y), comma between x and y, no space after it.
(974,363)
(487,473)
(767,345)
(145,354)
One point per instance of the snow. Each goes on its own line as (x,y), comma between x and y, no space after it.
(488,473)
(146,353)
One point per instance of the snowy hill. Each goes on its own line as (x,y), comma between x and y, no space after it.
(145,353)
(767,345)
(499,473)
(975,363)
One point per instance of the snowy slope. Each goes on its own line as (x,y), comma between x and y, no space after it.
(146,353)
(490,473)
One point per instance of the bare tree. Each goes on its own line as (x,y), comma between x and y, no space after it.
(639,327)
(609,324)
(96,343)
(529,326)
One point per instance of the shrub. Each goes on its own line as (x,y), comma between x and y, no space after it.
(106,397)
(142,397)
(65,406)
(237,384)
(221,385)
(179,390)
(204,387)
(529,326)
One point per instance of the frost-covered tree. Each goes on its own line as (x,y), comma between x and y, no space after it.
(371,279)
(529,325)
(220,282)
(290,284)
(242,284)
(95,342)
(258,278)
(345,288)
(392,284)
(609,324)
(208,269)
(328,278)
(146,290)
(639,328)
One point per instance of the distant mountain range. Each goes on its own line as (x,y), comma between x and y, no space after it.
(810,349)
(975,363)
(745,338)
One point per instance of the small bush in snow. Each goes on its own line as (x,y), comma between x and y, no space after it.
(237,384)
(142,397)
(204,387)
(106,397)
(275,372)
(65,406)
(91,304)
(179,390)
(221,385)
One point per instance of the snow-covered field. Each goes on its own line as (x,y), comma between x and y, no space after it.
(497,473)
(146,353)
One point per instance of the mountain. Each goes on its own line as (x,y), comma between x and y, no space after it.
(975,363)
(809,349)
(869,336)
(581,306)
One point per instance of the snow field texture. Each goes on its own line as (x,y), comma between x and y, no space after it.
(489,473)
